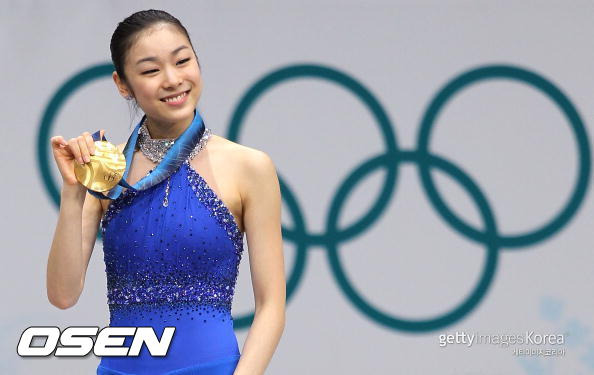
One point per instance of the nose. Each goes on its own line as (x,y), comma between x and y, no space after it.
(172,78)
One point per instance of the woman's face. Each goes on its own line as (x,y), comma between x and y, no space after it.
(161,63)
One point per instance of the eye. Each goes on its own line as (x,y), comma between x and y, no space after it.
(179,62)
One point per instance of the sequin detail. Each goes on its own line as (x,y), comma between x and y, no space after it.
(155,149)
(218,208)
(182,259)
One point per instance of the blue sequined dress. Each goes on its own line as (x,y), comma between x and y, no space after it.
(173,265)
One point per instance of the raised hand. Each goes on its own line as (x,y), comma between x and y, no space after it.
(76,150)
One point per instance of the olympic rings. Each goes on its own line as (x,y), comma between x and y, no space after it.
(568,110)
(391,160)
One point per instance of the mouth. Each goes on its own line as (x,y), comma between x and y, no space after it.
(175,97)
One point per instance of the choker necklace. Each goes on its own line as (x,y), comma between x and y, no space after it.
(155,149)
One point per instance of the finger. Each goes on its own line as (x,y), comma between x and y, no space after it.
(75,150)
(58,140)
(84,150)
(90,142)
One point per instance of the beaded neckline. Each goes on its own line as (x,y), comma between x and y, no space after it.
(156,148)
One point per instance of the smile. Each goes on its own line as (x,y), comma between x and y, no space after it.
(176,98)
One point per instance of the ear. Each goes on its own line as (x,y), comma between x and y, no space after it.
(122,88)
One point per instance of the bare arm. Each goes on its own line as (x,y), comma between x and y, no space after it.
(262,221)
(73,243)
(76,230)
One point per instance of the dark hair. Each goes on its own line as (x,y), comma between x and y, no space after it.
(128,31)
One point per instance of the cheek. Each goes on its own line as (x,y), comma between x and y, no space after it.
(195,72)
(198,78)
(148,90)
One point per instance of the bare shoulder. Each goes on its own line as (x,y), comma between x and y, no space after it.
(252,169)
(250,161)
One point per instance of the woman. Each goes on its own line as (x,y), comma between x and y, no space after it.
(172,250)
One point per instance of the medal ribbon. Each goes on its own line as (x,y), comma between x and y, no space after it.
(175,156)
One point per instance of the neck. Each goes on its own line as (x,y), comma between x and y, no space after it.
(168,130)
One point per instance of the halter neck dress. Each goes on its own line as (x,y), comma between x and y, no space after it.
(173,265)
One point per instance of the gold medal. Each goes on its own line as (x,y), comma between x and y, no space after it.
(105,169)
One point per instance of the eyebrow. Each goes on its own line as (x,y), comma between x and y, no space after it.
(152,58)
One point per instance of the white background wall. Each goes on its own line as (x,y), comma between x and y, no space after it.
(509,138)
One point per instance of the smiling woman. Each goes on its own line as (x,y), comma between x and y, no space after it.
(160,65)
(172,248)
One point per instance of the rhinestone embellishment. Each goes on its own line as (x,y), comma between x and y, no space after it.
(171,261)
(155,149)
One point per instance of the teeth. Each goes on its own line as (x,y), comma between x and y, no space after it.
(175,99)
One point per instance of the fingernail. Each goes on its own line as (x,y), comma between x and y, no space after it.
(87,159)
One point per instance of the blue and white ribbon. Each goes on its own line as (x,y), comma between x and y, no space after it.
(175,156)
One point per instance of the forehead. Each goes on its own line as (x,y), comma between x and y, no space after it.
(158,41)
